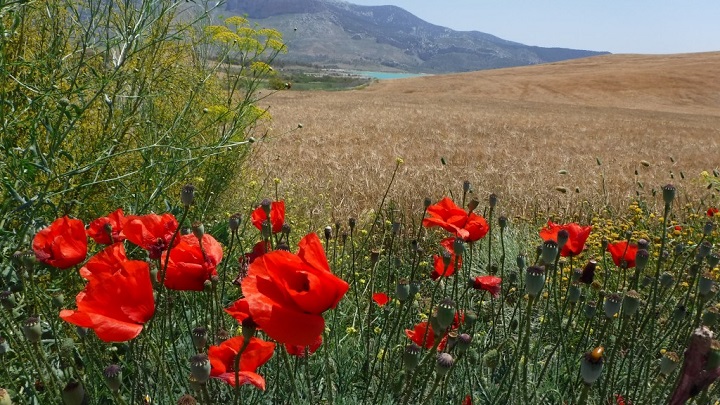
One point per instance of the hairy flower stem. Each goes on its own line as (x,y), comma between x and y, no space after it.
(236,369)
(427,399)
(328,370)
(584,394)
(526,348)
(418,369)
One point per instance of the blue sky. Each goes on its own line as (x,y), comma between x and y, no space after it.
(618,26)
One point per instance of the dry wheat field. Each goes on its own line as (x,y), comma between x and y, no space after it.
(585,126)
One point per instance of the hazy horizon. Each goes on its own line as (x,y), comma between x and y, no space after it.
(641,26)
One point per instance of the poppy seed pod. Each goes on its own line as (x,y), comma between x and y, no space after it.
(187,399)
(668,192)
(458,246)
(473,204)
(591,366)
(668,363)
(704,249)
(73,393)
(266,206)
(679,313)
(713,357)
(612,305)
(427,202)
(502,221)
(534,280)
(351,223)
(113,377)
(32,329)
(641,259)
(463,342)
(328,233)
(713,259)
(266,229)
(466,186)
(491,358)
(705,284)
(187,195)
(414,288)
(631,303)
(7,299)
(643,244)
(576,274)
(234,222)
(200,367)
(199,337)
(402,290)
(492,200)
(445,313)
(411,356)
(444,363)
(573,294)
(708,228)
(666,280)
(679,249)
(590,309)
(470,318)
(198,229)
(562,237)
(710,317)
(549,252)
(521,261)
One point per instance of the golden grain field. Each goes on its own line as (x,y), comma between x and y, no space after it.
(512,131)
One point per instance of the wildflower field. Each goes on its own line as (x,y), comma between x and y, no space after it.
(159,247)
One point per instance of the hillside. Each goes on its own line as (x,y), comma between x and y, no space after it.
(328,33)
(508,131)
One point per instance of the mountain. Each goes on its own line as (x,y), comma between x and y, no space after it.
(330,33)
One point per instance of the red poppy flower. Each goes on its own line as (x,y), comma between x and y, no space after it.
(222,360)
(623,254)
(277,216)
(467,400)
(468,226)
(239,310)
(712,211)
(288,293)
(190,265)
(490,284)
(381,299)
(299,351)
(259,249)
(424,331)
(115,304)
(107,230)
(439,268)
(577,235)
(63,244)
(105,263)
(151,232)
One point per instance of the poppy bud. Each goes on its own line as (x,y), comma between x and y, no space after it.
(534,280)
(668,194)
(612,305)
(604,244)
(187,195)
(591,366)
(444,363)
(199,337)
(643,244)
(234,222)
(266,206)
(710,317)
(588,272)
(491,358)
(402,290)
(32,329)
(590,309)
(200,367)
(445,313)
(427,202)
(705,284)
(631,303)
(73,393)
(466,186)
(411,356)
(573,294)
(470,318)
(113,377)
(463,342)
(492,200)
(328,233)
(473,204)
(351,223)
(666,280)
(668,363)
